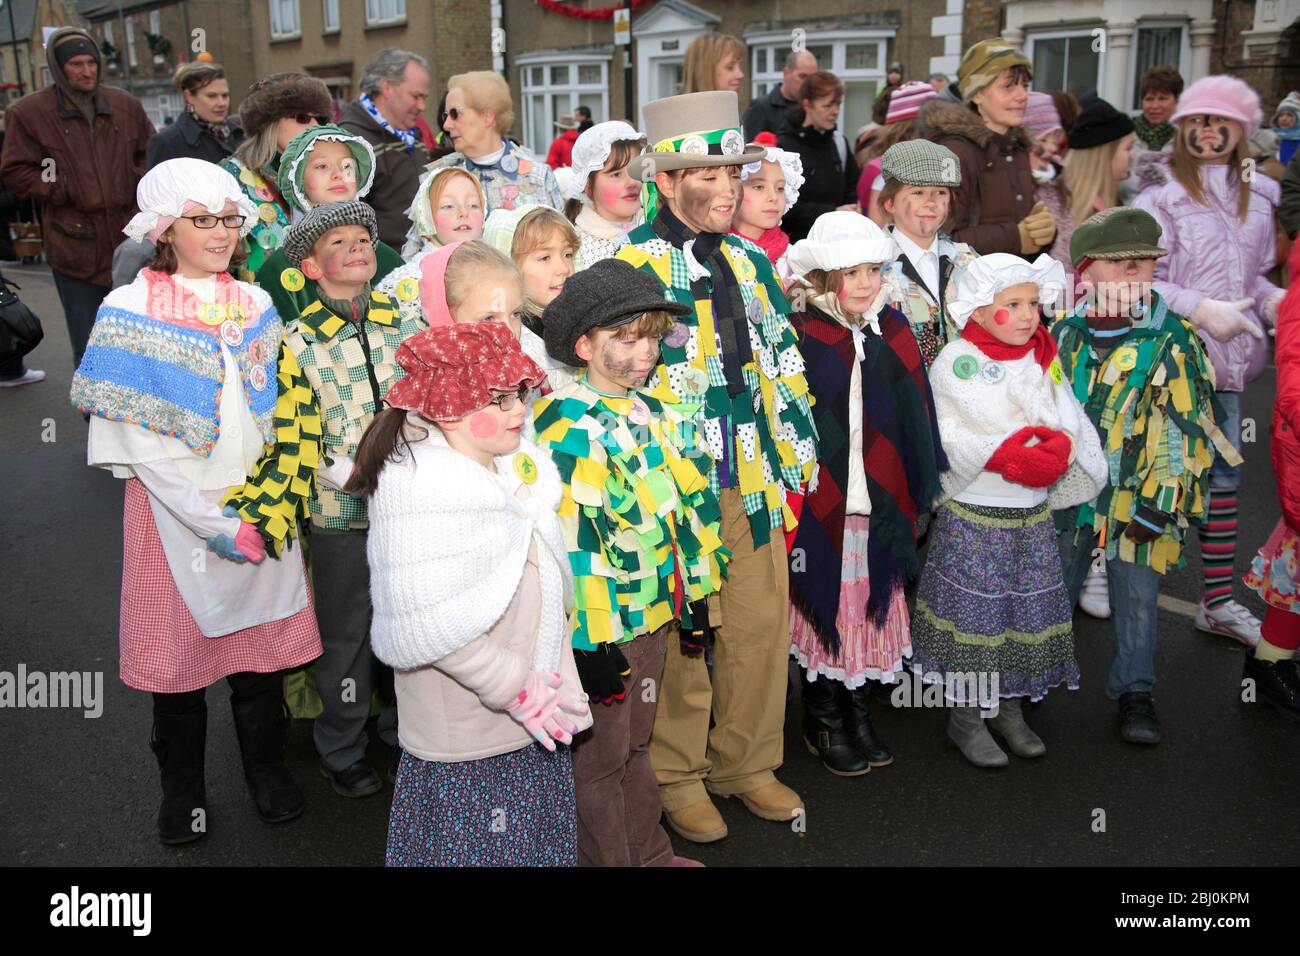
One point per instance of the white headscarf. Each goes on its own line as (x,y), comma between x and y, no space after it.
(977,284)
(178,185)
(421,213)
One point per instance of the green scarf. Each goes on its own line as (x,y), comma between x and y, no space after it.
(1155,136)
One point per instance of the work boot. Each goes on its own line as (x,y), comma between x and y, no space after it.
(1137,718)
(773,801)
(178,741)
(966,729)
(857,715)
(262,725)
(1009,724)
(825,730)
(700,822)
(1276,684)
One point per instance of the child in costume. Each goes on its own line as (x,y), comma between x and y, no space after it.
(322,164)
(345,343)
(602,200)
(448,206)
(542,244)
(993,620)
(1286,124)
(1145,381)
(770,187)
(470,581)
(642,530)
(879,462)
(919,179)
(179,380)
(1218,226)
(1276,569)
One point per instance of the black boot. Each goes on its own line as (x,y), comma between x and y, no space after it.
(824,729)
(1276,684)
(178,742)
(262,725)
(857,715)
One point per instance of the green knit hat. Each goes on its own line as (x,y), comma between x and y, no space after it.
(983,63)
(1117,233)
(293,162)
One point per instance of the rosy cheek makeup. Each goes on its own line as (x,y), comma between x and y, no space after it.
(1001,316)
(484,426)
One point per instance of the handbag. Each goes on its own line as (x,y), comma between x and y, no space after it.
(20,329)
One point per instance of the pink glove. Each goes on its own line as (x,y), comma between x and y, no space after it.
(544,712)
(249,541)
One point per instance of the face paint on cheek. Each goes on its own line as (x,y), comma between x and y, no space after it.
(1001,316)
(484,426)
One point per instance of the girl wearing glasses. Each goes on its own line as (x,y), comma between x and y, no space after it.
(180,380)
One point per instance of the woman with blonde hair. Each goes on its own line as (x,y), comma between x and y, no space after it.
(479,114)
(714,61)
(1101,152)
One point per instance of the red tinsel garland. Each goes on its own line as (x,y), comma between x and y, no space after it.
(581,13)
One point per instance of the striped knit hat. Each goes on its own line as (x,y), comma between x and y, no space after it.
(984,62)
(906,101)
(1041,116)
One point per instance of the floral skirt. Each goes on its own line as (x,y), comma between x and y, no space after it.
(1273,574)
(514,809)
(867,652)
(992,605)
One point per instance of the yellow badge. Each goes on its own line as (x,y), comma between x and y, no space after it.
(1125,358)
(293,280)
(525,468)
(267,212)
(408,289)
(211,313)
(1055,370)
(235,313)
(249,178)
(745,270)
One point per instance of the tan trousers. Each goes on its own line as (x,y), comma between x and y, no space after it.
(747,694)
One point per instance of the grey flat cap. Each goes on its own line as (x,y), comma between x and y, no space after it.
(320,220)
(919,162)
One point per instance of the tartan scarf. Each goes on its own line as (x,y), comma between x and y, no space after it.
(902,458)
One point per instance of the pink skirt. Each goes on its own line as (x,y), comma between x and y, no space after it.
(867,652)
(162,649)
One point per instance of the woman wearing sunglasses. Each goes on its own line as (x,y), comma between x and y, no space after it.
(479,113)
(275,110)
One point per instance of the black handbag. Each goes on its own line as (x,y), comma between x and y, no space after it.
(20,329)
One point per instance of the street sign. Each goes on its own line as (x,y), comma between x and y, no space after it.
(622,26)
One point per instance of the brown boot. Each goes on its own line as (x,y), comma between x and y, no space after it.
(773,801)
(700,822)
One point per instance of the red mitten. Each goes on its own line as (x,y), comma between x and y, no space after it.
(1009,449)
(1034,466)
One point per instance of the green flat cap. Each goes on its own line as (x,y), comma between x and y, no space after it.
(1117,233)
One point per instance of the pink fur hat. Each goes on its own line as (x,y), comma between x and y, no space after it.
(1221,96)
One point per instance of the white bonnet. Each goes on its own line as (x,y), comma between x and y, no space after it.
(839,240)
(977,284)
(166,190)
(591,151)
(791,167)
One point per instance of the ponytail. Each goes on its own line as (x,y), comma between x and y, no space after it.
(378,446)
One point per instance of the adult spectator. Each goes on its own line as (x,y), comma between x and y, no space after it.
(78,148)
(205,130)
(714,61)
(560,154)
(768,113)
(583,115)
(275,109)
(1160,89)
(1288,211)
(829,169)
(939,82)
(479,114)
(394,90)
(893,80)
(994,209)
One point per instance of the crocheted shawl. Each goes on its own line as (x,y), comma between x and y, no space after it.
(902,457)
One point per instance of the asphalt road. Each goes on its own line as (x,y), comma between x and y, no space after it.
(77,791)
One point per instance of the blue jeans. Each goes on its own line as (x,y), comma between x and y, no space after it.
(1222,475)
(1134,590)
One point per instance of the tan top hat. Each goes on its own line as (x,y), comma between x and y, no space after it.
(692,131)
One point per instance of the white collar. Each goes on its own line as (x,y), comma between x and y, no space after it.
(593,223)
(912,250)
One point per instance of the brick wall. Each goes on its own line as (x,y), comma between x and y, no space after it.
(982,19)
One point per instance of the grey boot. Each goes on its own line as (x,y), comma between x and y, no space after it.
(966,729)
(1010,725)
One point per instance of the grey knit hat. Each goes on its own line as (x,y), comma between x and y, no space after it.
(607,294)
(919,162)
(320,220)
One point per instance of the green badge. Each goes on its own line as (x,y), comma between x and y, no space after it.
(965,366)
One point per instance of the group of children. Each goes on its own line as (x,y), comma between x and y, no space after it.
(586,484)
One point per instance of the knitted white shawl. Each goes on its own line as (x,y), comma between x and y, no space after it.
(447,547)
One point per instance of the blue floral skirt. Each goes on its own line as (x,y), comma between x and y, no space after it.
(515,809)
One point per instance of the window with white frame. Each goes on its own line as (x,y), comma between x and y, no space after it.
(1066,60)
(108,31)
(130,41)
(155,21)
(553,88)
(379,12)
(856,57)
(1157,44)
(285,21)
(330,15)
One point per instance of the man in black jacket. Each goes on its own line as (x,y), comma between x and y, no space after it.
(768,112)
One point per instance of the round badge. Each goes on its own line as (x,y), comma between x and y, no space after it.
(268,238)
(257,377)
(256,351)
(694,145)
(510,191)
(249,178)
(965,366)
(264,194)
(292,280)
(509,163)
(235,313)
(639,413)
(525,166)
(992,372)
(696,381)
(525,468)
(1055,370)
(664,147)
(677,336)
(408,290)
(1125,358)
(733,144)
(231,333)
(210,313)
(755,309)
(745,270)
(267,212)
